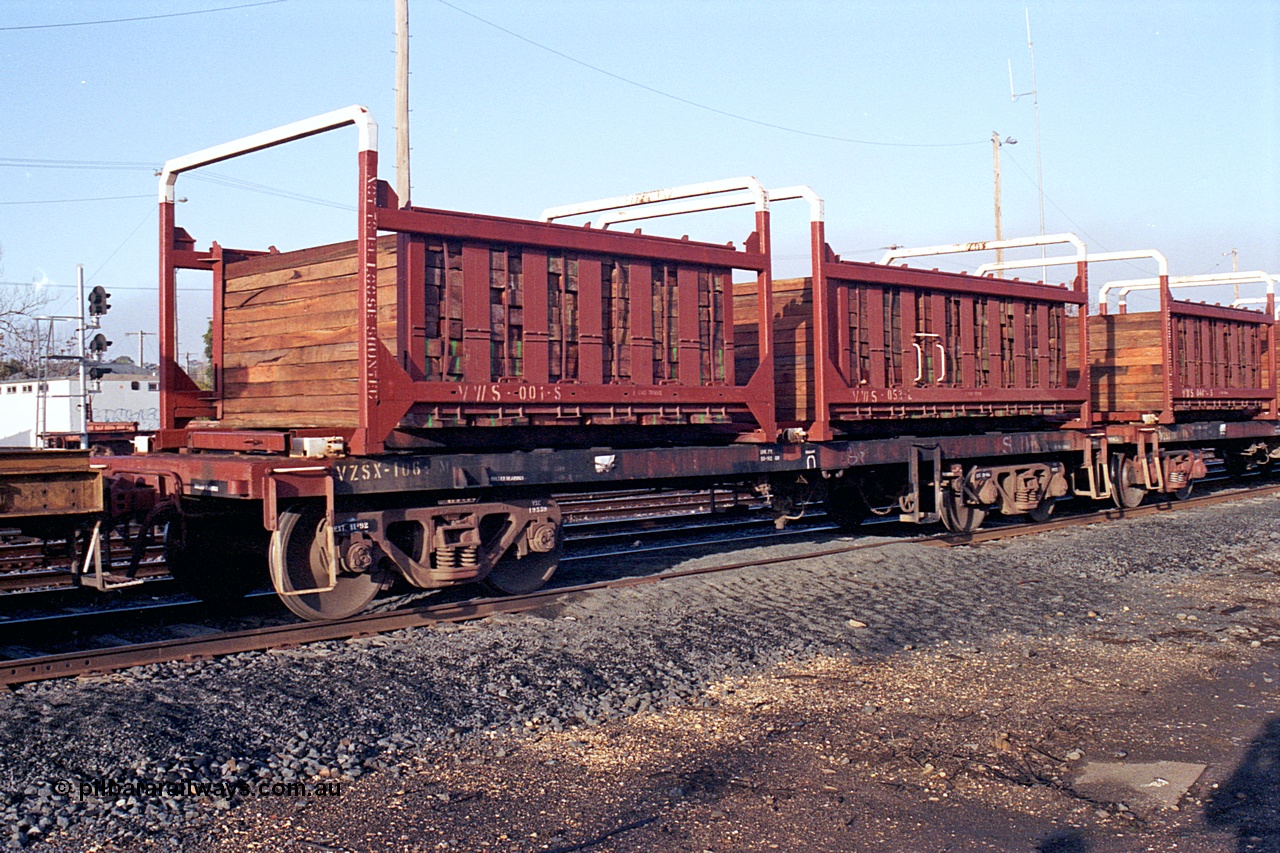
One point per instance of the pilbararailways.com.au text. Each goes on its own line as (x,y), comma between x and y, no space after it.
(109,788)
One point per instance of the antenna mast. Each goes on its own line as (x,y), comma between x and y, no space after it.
(1035,100)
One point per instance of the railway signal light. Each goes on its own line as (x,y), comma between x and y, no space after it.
(99,344)
(98,304)
(97,372)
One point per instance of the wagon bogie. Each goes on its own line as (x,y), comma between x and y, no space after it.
(453,541)
(331,564)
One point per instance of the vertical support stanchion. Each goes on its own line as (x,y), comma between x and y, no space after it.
(367,328)
(1167,349)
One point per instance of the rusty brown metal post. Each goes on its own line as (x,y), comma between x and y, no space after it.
(1271,363)
(168,323)
(1166,349)
(822,367)
(1085,381)
(365,441)
(764,304)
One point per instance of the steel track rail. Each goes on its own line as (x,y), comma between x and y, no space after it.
(1012,530)
(641,511)
(99,661)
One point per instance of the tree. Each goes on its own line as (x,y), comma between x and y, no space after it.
(204,377)
(21,343)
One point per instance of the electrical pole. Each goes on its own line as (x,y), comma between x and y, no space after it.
(402,101)
(995,158)
(141,336)
(80,360)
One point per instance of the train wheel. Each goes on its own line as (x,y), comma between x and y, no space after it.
(522,575)
(1126,491)
(1185,492)
(959,517)
(202,557)
(299,559)
(1042,512)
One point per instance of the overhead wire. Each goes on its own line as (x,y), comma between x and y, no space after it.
(74,200)
(150,212)
(1057,207)
(701,106)
(33,163)
(112,287)
(141,17)
(210,177)
(240,183)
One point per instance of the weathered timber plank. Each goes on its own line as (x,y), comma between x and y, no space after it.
(314,403)
(344,351)
(304,389)
(305,257)
(281,372)
(300,340)
(290,420)
(292,323)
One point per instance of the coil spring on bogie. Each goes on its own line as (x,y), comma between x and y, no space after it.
(458,557)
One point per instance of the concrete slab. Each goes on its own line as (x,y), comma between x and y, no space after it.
(1160,782)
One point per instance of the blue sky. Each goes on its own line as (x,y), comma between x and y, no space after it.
(1159,123)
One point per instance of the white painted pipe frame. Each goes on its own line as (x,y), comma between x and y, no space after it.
(741,199)
(1125,287)
(695,192)
(355,114)
(1095,257)
(989,245)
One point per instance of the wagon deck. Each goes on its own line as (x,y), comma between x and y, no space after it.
(47,483)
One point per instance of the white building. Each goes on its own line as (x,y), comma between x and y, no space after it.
(116,397)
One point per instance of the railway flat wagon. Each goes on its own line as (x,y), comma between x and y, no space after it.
(872,351)
(1182,367)
(408,404)
(403,404)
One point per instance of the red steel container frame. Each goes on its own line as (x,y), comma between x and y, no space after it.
(832,388)
(387,391)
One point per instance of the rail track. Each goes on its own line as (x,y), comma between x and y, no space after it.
(218,643)
(34,566)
